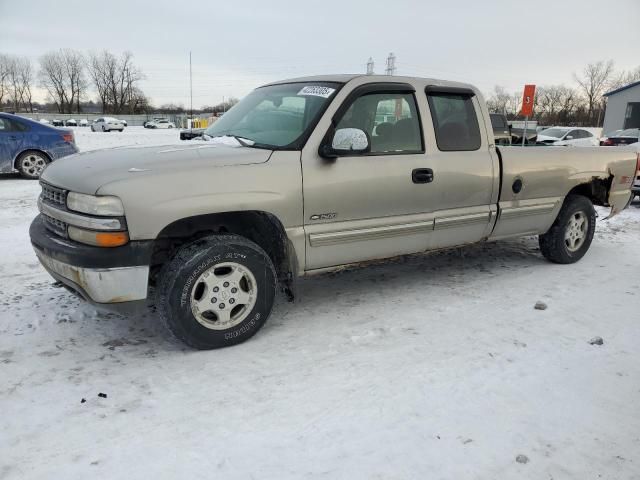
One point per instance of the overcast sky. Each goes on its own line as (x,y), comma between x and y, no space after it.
(238,45)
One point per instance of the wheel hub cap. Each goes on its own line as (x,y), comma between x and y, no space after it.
(33,165)
(576,231)
(223,295)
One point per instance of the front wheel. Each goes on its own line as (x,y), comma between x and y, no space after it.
(217,291)
(571,234)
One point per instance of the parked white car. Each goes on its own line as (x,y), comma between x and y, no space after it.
(124,122)
(84,123)
(106,124)
(161,124)
(568,136)
(71,122)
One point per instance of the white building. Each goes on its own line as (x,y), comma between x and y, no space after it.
(623,108)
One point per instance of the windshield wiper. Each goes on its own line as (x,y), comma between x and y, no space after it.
(243,141)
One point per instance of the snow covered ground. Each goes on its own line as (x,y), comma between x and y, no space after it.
(426,367)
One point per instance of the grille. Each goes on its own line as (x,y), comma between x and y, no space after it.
(55,225)
(54,195)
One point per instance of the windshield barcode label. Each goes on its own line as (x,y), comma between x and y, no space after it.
(317,91)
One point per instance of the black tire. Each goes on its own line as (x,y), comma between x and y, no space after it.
(553,244)
(29,167)
(179,280)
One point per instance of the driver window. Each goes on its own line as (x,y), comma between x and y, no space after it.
(389,119)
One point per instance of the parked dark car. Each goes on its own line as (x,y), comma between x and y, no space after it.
(501,129)
(624,137)
(191,133)
(27,146)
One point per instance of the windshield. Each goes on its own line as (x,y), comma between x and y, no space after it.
(276,116)
(554,132)
(629,132)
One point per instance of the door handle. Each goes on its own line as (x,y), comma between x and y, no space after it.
(12,137)
(422,175)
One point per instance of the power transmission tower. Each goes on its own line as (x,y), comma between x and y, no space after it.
(370,66)
(391,64)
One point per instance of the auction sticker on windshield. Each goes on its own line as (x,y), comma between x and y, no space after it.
(317,91)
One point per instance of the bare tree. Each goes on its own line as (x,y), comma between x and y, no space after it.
(499,100)
(25,76)
(593,81)
(116,81)
(62,75)
(624,78)
(4,76)
(52,78)
(75,77)
(18,79)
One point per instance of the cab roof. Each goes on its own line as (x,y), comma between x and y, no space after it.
(345,78)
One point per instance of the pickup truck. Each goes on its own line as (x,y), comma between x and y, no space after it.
(305,176)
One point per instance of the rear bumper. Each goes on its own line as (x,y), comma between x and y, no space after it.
(62,149)
(113,278)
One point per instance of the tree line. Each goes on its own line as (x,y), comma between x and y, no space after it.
(580,104)
(67,75)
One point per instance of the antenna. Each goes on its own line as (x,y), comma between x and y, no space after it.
(391,64)
(370,66)
(191,91)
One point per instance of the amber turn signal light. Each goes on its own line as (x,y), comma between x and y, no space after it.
(98,239)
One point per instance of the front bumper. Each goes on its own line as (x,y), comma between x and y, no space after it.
(103,276)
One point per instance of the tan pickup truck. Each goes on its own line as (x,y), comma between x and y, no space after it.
(304,176)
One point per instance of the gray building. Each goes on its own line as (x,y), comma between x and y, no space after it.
(623,108)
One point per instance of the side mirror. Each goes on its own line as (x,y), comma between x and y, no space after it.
(346,141)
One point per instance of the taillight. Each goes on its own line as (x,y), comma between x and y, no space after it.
(67,137)
(606,142)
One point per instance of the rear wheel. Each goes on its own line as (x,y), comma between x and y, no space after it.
(31,164)
(571,234)
(217,291)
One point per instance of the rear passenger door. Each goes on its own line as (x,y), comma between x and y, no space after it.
(465,167)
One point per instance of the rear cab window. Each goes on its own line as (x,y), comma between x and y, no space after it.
(455,121)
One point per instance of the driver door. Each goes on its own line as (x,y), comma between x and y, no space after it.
(363,206)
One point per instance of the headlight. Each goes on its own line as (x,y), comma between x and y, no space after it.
(98,239)
(94,205)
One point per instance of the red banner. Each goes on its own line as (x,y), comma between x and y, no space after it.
(527,100)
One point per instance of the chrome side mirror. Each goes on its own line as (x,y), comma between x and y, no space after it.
(347,140)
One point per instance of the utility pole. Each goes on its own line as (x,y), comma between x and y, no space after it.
(370,66)
(190,93)
(391,64)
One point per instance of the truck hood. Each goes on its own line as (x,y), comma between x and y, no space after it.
(88,171)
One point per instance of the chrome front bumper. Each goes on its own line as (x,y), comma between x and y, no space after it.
(100,285)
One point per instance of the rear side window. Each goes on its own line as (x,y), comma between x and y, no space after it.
(455,121)
(7,125)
